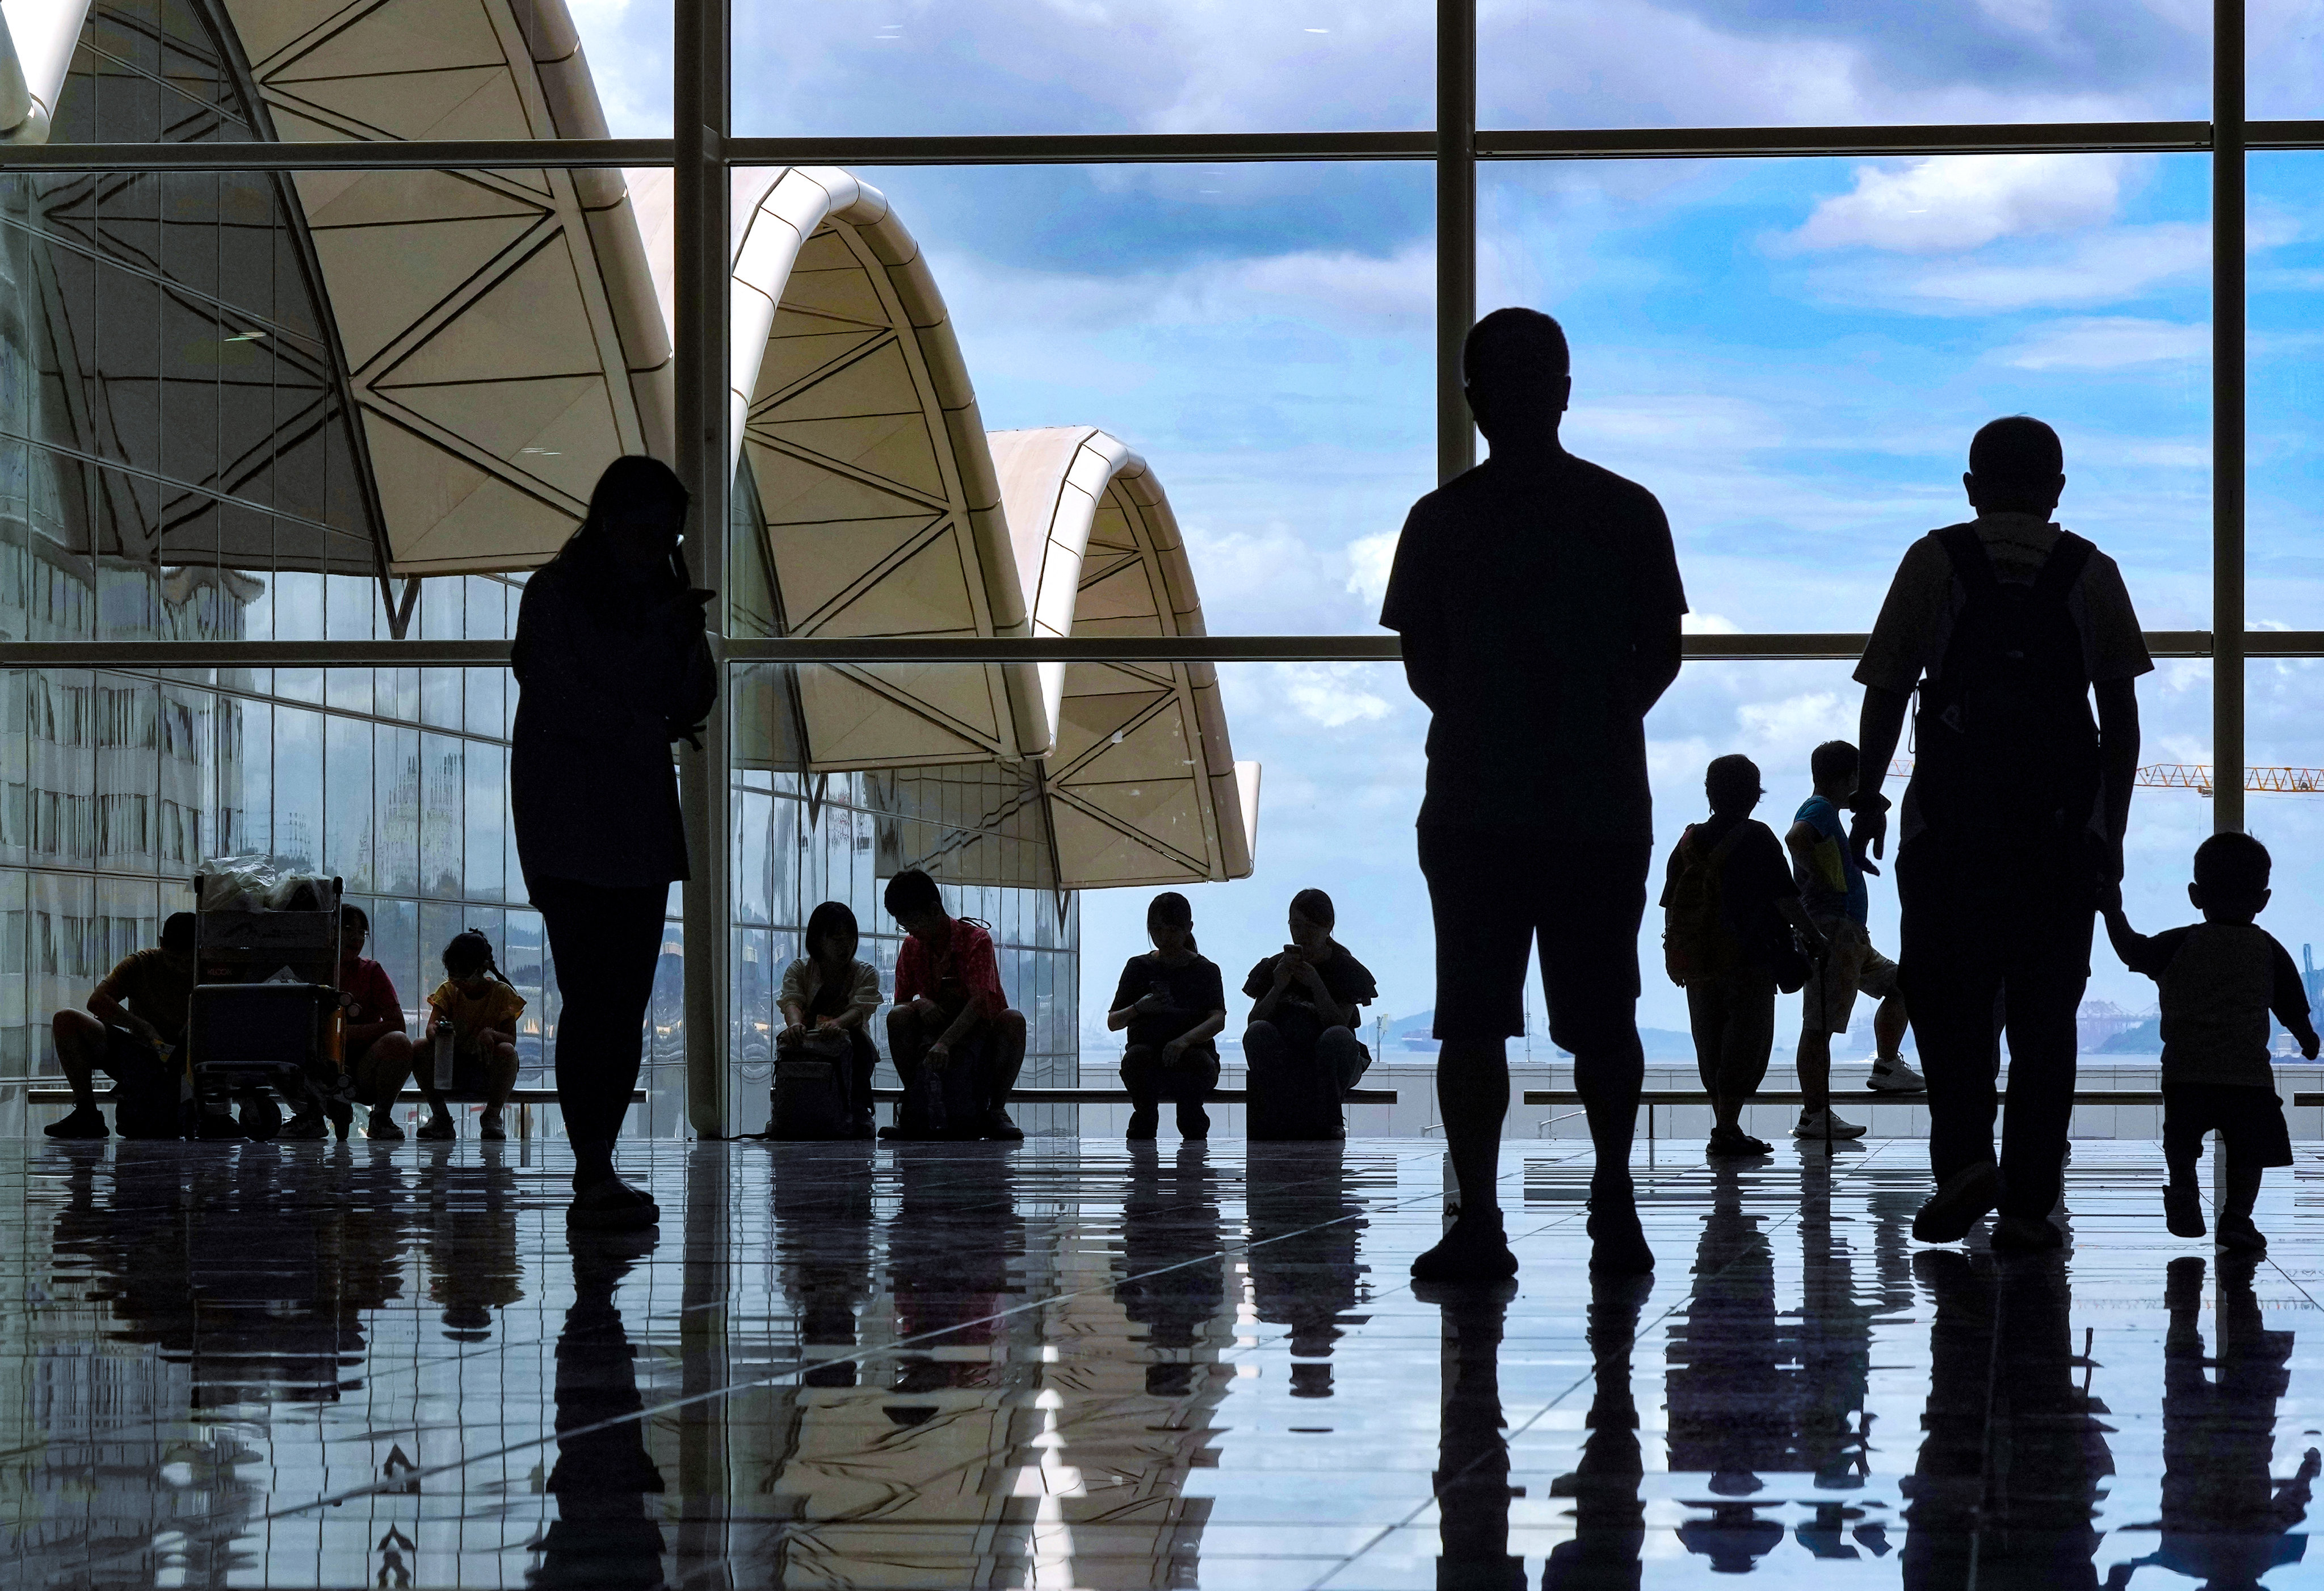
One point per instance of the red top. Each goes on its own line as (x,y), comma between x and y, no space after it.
(967,965)
(369,992)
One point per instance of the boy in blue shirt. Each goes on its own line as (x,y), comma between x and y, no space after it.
(1831,876)
(2218,980)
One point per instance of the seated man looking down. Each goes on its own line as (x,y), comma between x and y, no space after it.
(1301,1045)
(949,1003)
(148,996)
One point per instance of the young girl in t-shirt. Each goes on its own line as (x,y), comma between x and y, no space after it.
(828,992)
(1174,1003)
(483,1007)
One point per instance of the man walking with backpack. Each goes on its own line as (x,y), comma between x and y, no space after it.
(2013,819)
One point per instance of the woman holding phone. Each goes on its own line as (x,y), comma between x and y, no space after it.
(1174,1003)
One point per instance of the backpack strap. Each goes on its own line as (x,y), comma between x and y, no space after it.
(2065,565)
(1972,565)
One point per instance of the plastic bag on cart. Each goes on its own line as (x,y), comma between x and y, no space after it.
(253,882)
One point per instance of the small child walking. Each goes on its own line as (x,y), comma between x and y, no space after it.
(2219,979)
(483,1007)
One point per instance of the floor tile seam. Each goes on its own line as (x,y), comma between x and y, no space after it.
(248,1521)
(2204,1190)
(1513,1432)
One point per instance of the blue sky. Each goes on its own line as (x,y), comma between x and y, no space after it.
(1791,353)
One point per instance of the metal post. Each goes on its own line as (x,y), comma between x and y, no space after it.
(705,462)
(1456,227)
(2228,170)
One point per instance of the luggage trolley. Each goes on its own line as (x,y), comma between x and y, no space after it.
(260,1027)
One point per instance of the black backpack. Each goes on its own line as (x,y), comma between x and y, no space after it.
(146,1086)
(2005,743)
(810,1096)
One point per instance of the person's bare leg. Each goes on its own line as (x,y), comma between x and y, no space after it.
(382,1069)
(1815,1065)
(499,1079)
(1888,1024)
(1472,1085)
(80,1050)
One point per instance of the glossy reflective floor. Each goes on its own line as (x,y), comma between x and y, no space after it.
(1068,1364)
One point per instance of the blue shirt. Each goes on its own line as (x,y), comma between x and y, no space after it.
(1830,882)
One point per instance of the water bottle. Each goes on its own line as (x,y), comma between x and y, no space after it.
(443,1054)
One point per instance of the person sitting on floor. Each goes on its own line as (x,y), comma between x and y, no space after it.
(483,1007)
(148,996)
(1174,1003)
(1301,1045)
(2217,980)
(374,1048)
(828,991)
(1728,893)
(949,1002)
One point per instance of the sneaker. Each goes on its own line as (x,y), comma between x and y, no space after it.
(343,1118)
(1142,1126)
(490,1129)
(863,1127)
(1193,1123)
(1890,1075)
(1617,1243)
(306,1127)
(86,1120)
(1957,1206)
(2238,1235)
(1824,1124)
(612,1205)
(1735,1140)
(2183,1209)
(1476,1250)
(998,1126)
(2026,1234)
(382,1128)
(438,1128)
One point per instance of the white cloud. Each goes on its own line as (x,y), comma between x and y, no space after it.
(1370,558)
(2122,263)
(1796,724)
(1949,204)
(1708,623)
(1325,693)
(2109,342)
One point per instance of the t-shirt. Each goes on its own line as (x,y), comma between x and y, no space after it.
(1348,980)
(1830,882)
(1916,620)
(2218,982)
(1755,876)
(966,971)
(1524,592)
(154,990)
(494,1006)
(367,993)
(1193,991)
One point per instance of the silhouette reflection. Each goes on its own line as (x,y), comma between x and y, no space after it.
(956,1261)
(470,1221)
(1305,1225)
(823,1257)
(1608,1513)
(2013,1453)
(1174,1278)
(606,1535)
(2226,1520)
(1728,1412)
(1472,1482)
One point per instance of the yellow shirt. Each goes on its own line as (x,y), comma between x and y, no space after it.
(494,1006)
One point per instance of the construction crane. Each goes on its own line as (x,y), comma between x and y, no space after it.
(2197,777)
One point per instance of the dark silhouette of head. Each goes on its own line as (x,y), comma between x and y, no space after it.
(1833,764)
(913,899)
(1517,373)
(469,955)
(1732,784)
(177,933)
(1312,919)
(630,540)
(1171,909)
(829,925)
(2016,465)
(2231,877)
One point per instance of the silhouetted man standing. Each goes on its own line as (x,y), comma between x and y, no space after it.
(1539,600)
(2014,818)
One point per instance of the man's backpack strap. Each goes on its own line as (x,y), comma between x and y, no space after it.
(1971,563)
(2067,558)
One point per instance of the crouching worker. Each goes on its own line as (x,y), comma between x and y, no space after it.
(1301,1044)
(1174,1003)
(483,1007)
(827,996)
(950,1011)
(135,1023)
(376,1049)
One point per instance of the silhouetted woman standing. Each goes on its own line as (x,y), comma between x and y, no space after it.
(613,666)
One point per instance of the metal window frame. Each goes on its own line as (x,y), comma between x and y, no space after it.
(703,151)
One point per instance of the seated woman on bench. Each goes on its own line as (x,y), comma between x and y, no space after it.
(1301,1045)
(147,995)
(949,1004)
(481,1007)
(1174,1003)
(828,991)
(376,1049)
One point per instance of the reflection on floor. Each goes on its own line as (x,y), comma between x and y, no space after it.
(1076,1365)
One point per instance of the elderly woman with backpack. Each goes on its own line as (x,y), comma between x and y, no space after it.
(1730,907)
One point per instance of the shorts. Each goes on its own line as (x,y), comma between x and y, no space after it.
(1852,967)
(2249,1120)
(1496,895)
